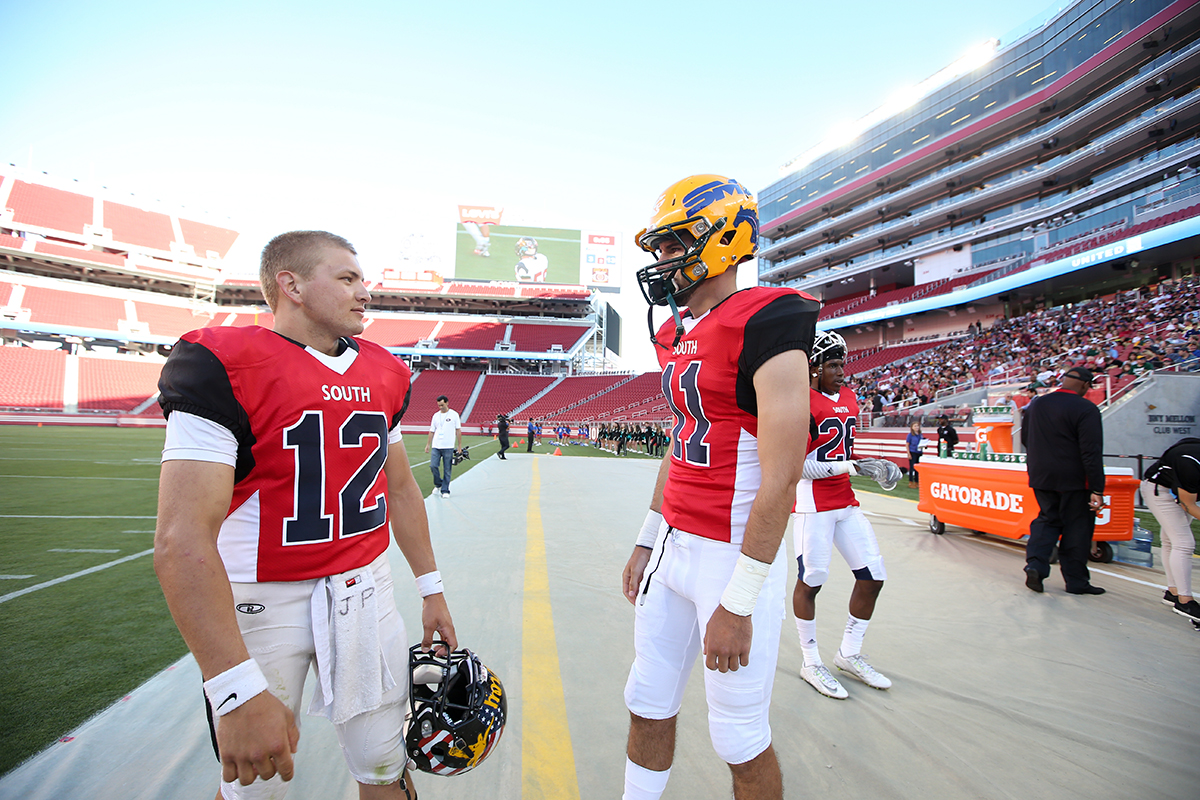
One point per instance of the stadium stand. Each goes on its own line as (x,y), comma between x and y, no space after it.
(80,254)
(57,307)
(469,335)
(31,378)
(206,239)
(480,289)
(398,332)
(135,226)
(876,357)
(50,209)
(572,390)
(173,321)
(457,385)
(540,338)
(503,394)
(242,317)
(111,384)
(641,394)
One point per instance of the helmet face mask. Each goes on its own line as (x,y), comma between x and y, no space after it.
(457,711)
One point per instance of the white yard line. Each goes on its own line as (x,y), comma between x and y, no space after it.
(74,478)
(76,516)
(13,595)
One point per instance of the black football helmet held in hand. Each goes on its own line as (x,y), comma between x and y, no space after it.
(457,710)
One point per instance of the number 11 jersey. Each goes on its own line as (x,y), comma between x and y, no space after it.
(708,379)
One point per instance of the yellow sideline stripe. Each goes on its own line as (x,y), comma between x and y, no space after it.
(547,759)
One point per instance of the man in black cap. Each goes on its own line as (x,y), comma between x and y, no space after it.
(1064,438)
(947,437)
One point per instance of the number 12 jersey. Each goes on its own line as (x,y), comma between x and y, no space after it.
(310,494)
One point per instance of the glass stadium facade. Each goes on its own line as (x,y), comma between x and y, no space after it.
(1081,135)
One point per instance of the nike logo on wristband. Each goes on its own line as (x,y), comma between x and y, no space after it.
(227,699)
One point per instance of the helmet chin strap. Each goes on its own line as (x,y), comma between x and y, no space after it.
(678,324)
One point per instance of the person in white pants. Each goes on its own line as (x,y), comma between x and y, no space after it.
(1169,491)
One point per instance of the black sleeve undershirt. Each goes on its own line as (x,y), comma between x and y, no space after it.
(788,322)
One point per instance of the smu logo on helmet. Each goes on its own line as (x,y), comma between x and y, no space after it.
(709,193)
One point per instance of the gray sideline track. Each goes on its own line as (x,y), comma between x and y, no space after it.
(999,693)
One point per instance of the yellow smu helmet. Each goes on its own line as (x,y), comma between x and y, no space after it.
(716,221)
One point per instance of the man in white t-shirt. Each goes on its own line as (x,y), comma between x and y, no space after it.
(445,437)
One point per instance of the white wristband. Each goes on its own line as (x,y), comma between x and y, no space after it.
(741,593)
(429,583)
(235,686)
(648,535)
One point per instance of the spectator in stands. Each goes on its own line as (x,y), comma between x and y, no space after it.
(502,433)
(915,442)
(947,437)
(445,437)
(1064,438)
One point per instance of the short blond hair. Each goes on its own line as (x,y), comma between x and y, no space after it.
(295,251)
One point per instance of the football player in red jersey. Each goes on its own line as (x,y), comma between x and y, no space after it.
(282,468)
(733,366)
(828,516)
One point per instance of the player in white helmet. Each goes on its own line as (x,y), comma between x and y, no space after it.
(532,265)
(828,516)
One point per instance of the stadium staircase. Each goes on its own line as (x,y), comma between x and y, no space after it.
(466,412)
(537,396)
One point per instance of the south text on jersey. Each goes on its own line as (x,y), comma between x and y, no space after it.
(358,394)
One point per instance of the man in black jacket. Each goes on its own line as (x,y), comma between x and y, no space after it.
(947,436)
(502,433)
(1063,438)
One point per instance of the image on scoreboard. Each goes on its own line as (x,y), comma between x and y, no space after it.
(516,253)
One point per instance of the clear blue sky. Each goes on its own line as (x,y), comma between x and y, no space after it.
(373,119)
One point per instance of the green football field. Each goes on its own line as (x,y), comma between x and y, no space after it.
(77,513)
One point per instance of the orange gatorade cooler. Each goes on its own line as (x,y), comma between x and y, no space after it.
(994,426)
(993,496)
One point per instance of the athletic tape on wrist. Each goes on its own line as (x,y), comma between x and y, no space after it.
(235,686)
(741,593)
(648,535)
(429,583)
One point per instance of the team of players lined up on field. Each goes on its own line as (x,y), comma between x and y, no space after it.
(649,438)
(1122,335)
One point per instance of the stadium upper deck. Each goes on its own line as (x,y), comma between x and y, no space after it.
(1063,162)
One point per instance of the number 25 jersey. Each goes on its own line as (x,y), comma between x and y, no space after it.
(310,494)
(708,379)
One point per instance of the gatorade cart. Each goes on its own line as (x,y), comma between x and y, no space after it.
(989,493)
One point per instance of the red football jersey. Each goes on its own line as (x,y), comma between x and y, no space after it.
(310,494)
(832,439)
(708,379)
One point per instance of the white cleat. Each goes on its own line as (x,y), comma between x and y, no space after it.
(823,681)
(858,667)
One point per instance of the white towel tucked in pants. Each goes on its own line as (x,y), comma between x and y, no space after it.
(350,661)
